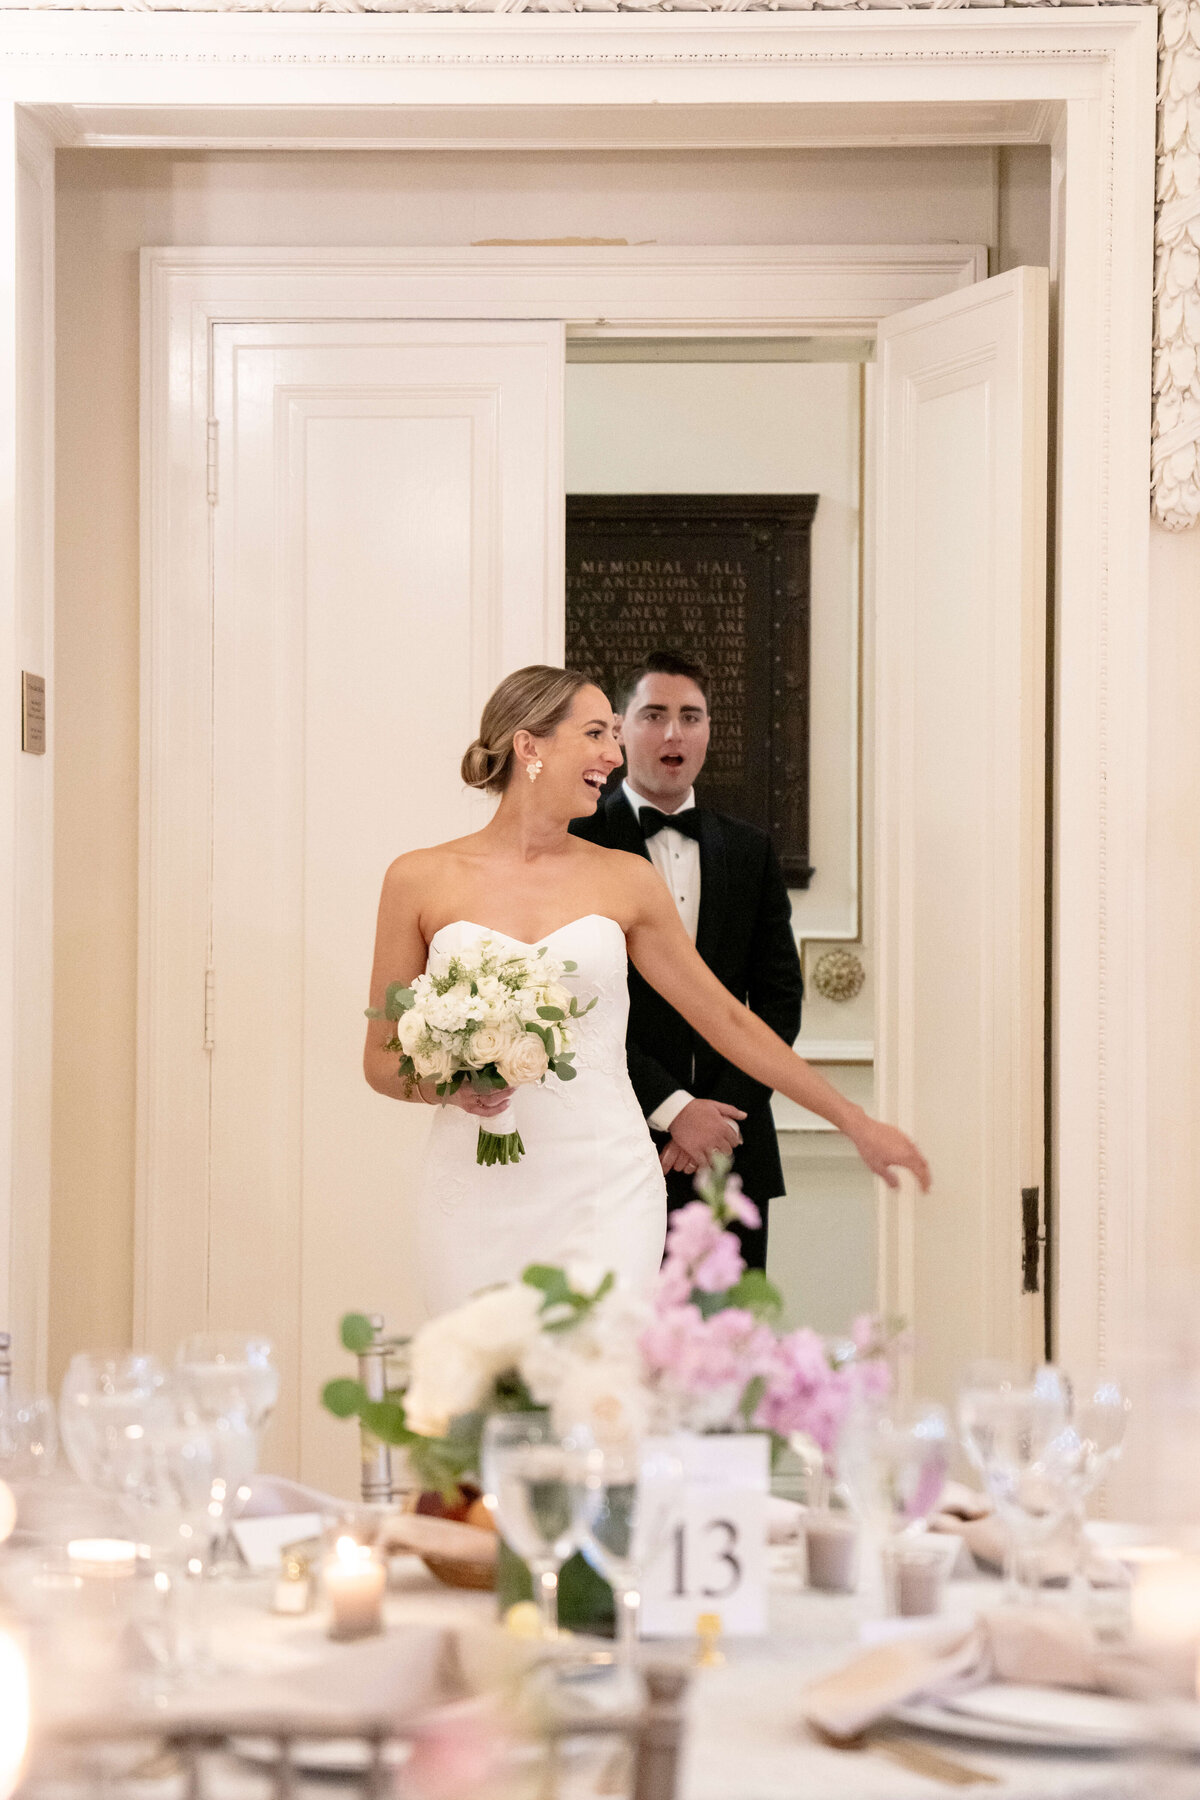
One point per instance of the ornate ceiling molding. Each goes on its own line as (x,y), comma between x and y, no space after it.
(1175,441)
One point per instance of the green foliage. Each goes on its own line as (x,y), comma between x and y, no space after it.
(562,1307)
(757,1295)
(344,1399)
(358,1333)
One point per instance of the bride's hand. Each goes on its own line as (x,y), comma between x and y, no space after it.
(885,1149)
(484,1106)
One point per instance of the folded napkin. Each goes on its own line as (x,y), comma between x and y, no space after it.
(970,1517)
(1032,1645)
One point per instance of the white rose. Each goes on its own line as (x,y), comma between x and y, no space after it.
(554,994)
(608,1398)
(525,1062)
(437,1063)
(488,1043)
(410,1029)
(447,1379)
(456,1357)
(498,1323)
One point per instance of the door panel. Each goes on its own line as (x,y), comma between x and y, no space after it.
(387,544)
(960,460)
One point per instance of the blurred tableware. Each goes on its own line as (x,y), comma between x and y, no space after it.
(1015,1427)
(893,1458)
(455,1553)
(354,1580)
(915,1572)
(28,1436)
(228,1372)
(527,1472)
(831,1546)
(625,1497)
(102,1392)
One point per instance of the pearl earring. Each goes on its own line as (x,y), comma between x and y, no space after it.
(534,769)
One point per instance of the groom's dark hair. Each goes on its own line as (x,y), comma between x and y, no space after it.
(659,662)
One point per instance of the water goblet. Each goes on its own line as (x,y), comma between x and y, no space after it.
(624,1499)
(102,1392)
(1015,1427)
(228,1381)
(527,1470)
(28,1436)
(893,1459)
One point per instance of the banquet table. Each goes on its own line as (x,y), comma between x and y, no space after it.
(745,1739)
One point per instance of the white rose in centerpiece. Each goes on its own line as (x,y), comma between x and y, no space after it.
(455,1358)
(526,1061)
(488,1044)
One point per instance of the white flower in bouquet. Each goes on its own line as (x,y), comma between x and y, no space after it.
(456,1357)
(489,1043)
(525,1060)
(489,1017)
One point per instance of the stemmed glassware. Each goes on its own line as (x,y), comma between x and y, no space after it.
(893,1459)
(528,1471)
(1016,1429)
(103,1391)
(28,1436)
(228,1382)
(624,1500)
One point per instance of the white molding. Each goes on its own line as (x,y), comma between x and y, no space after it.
(1175,451)
(836,1050)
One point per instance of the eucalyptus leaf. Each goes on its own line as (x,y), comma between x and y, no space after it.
(385,1419)
(358,1333)
(554,1013)
(343,1398)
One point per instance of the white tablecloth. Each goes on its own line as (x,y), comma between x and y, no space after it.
(744,1740)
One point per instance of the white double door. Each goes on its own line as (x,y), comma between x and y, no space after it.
(387,542)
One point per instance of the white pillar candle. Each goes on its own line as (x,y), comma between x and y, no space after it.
(355,1578)
(107,1559)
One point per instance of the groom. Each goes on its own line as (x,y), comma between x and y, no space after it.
(731,896)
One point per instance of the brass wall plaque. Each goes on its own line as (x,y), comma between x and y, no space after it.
(724,579)
(33,713)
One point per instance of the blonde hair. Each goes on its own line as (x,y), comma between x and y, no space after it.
(536,699)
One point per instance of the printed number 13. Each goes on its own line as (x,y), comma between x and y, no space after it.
(724,1554)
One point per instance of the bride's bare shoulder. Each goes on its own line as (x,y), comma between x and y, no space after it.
(414,871)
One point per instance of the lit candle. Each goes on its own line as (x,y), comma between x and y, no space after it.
(110,1559)
(355,1578)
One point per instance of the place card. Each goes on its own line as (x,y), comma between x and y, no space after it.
(263,1541)
(708,1530)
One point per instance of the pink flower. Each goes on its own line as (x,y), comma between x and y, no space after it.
(722,1268)
(692,1232)
(742,1208)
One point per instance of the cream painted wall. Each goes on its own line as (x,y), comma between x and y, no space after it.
(110,203)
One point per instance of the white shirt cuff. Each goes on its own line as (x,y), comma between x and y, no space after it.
(664,1116)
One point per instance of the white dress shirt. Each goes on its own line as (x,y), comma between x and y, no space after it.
(677,859)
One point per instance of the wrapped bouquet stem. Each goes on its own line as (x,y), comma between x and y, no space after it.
(493,1017)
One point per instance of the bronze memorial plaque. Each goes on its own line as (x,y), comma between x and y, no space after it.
(724,579)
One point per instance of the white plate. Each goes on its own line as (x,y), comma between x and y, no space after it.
(319,1756)
(1032,1717)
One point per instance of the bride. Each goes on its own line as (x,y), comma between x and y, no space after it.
(590,1185)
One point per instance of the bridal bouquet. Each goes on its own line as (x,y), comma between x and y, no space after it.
(703,1354)
(491,1016)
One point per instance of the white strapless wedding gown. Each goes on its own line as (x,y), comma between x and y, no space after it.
(589,1185)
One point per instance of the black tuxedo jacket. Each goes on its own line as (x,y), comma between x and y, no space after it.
(744,934)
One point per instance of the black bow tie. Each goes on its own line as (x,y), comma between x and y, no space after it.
(651,821)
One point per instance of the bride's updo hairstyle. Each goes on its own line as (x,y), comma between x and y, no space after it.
(536,699)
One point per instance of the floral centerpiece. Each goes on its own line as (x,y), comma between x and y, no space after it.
(494,1017)
(704,1353)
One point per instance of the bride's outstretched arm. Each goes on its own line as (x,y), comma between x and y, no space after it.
(665,957)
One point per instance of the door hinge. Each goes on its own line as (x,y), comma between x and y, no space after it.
(212,462)
(1031,1240)
(209,1007)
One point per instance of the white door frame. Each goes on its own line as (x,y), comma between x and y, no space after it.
(1081,78)
(185,294)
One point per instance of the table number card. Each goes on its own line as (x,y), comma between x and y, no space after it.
(711,1551)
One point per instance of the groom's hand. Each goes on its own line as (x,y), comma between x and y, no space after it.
(698,1130)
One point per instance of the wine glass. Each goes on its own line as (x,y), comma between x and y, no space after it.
(28,1436)
(1015,1427)
(624,1500)
(102,1392)
(228,1381)
(893,1458)
(527,1471)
